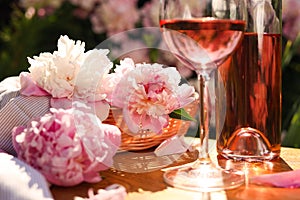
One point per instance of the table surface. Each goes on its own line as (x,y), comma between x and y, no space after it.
(141,173)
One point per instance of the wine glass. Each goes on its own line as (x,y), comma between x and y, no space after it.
(202,34)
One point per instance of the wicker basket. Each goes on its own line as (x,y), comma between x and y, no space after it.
(148,140)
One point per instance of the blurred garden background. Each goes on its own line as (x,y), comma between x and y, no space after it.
(29,27)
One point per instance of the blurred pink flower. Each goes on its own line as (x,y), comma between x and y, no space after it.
(130,44)
(68,146)
(148,93)
(84,7)
(41,3)
(40,7)
(85,4)
(291,18)
(110,17)
(115,16)
(150,13)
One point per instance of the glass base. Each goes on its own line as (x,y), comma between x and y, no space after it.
(204,177)
(249,144)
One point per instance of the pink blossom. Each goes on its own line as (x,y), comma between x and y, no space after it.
(40,7)
(67,146)
(84,7)
(114,78)
(41,3)
(150,13)
(29,87)
(132,45)
(148,94)
(115,16)
(291,18)
(85,4)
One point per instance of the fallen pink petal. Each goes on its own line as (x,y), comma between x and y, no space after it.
(289,179)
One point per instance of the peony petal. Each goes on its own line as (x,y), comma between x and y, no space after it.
(133,125)
(101,109)
(113,133)
(64,103)
(16,132)
(29,87)
(92,177)
(171,146)
(186,94)
(289,179)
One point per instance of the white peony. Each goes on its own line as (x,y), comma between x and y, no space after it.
(89,83)
(70,72)
(56,72)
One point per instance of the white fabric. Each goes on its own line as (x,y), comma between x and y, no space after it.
(19,181)
(9,88)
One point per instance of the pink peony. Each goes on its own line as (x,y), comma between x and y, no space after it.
(113,79)
(87,5)
(68,146)
(150,13)
(115,16)
(148,94)
(291,18)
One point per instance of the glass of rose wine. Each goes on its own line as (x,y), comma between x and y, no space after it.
(202,34)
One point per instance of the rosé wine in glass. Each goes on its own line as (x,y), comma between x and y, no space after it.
(214,38)
(202,34)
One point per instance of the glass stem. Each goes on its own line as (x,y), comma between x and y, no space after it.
(203,119)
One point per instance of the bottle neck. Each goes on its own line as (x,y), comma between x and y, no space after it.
(264,16)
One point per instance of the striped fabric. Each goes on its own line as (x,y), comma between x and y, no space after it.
(17,110)
(18,180)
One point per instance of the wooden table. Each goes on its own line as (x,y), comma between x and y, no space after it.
(142,176)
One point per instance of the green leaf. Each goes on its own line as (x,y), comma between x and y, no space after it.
(181,114)
(292,139)
(287,55)
(290,50)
